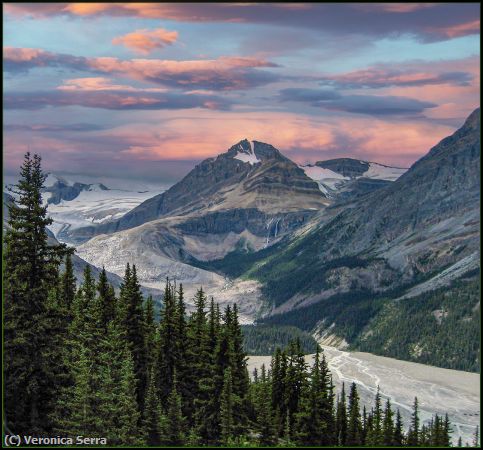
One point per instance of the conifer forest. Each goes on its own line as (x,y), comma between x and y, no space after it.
(86,361)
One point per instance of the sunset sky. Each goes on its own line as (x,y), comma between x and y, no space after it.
(146,90)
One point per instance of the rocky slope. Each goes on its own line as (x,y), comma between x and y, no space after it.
(243,200)
(344,178)
(250,175)
(417,233)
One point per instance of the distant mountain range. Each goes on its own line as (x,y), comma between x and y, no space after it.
(322,246)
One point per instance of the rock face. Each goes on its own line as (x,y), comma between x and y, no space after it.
(250,175)
(348,167)
(425,222)
(345,178)
(63,190)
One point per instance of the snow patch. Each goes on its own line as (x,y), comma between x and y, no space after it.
(327,179)
(246,158)
(380,172)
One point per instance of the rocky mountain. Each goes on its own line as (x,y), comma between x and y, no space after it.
(61,189)
(250,176)
(343,178)
(243,200)
(416,234)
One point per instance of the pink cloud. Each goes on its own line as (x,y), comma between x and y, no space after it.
(394,7)
(448,19)
(223,73)
(384,76)
(101,84)
(302,138)
(145,41)
(458,30)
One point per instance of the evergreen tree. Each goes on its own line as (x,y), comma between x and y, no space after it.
(413,433)
(341,418)
(150,339)
(446,441)
(152,413)
(476,437)
(107,300)
(398,431)
(30,271)
(354,426)
(278,369)
(174,430)
(226,408)
(264,416)
(388,425)
(68,284)
(168,342)
(132,321)
(375,435)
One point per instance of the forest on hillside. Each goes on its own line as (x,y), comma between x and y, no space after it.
(84,361)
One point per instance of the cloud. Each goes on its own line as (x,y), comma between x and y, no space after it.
(52,127)
(113,100)
(380,77)
(394,7)
(179,135)
(224,73)
(377,105)
(145,41)
(359,104)
(428,22)
(24,59)
(101,84)
(457,30)
(307,95)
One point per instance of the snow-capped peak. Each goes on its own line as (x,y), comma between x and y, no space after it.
(247,155)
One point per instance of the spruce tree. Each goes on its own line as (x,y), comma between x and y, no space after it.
(68,284)
(132,321)
(226,408)
(388,425)
(264,418)
(174,430)
(152,413)
(413,433)
(398,430)
(30,272)
(341,418)
(375,436)
(354,426)
(107,300)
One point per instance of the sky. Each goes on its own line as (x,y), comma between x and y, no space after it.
(148,90)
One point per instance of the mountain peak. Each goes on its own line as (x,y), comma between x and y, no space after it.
(254,152)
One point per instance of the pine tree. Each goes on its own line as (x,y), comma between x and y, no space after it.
(68,284)
(262,400)
(295,381)
(152,413)
(202,383)
(354,426)
(375,436)
(107,300)
(413,433)
(278,369)
(174,433)
(398,430)
(168,342)
(476,437)
(388,425)
(446,442)
(151,338)
(226,408)
(341,418)
(132,320)
(30,272)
